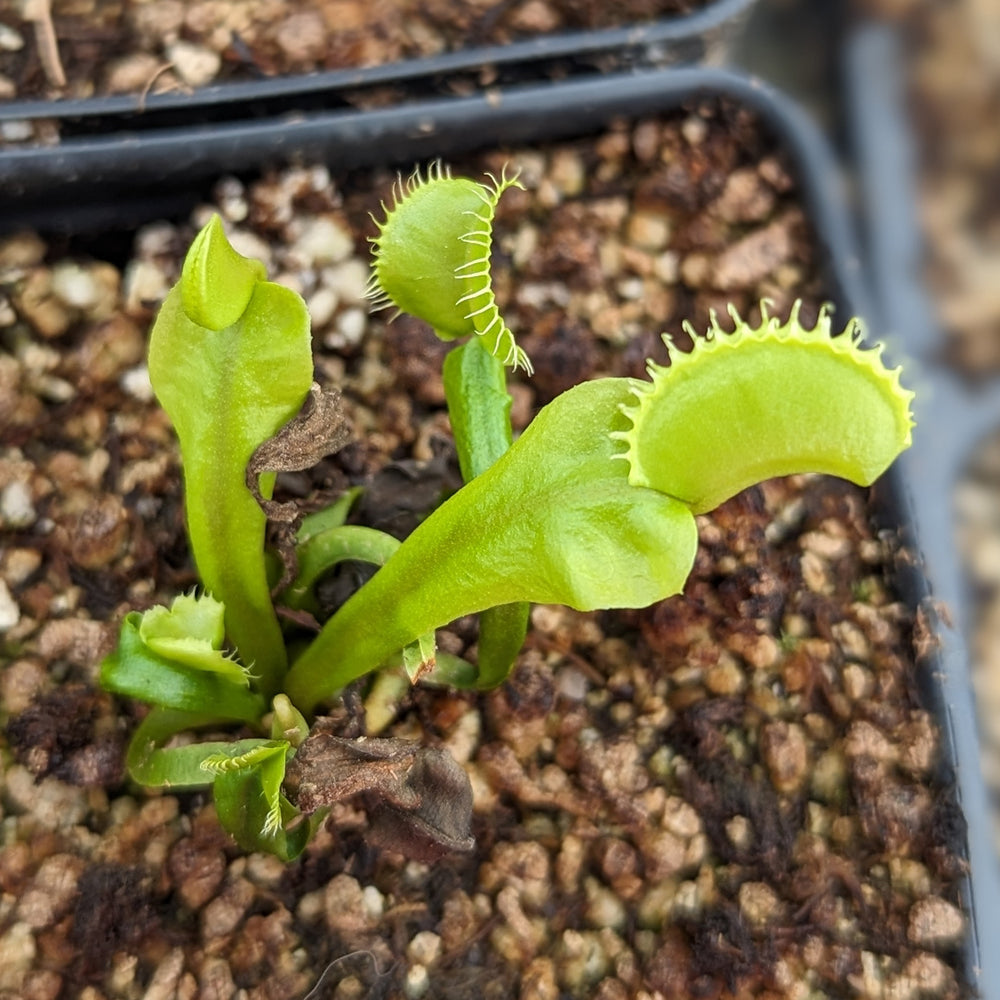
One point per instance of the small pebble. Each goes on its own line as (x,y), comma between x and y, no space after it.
(566,172)
(648,231)
(680,818)
(935,923)
(156,21)
(863,739)
(17,946)
(163,985)
(16,130)
(75,285)
(22,250)
(51,892)
(739,831)
(135,383)
(303,36)
(132,73)
(322,305)
(417,982)
(829,776)
(725,677)
(538,981)
(425,948)
(19,563)
(38,304)
(351,325)
(748,261)
(10,613)
(759,903)
(10,39)
(695,130)
(52,804)
(372,903)
(99,533)
(745,198)
(349,280)
(858,682)
(928,975)
(16,507)
(583,961)
(785,751)
(324,241)
(222,915)
(145,286)
(195,64)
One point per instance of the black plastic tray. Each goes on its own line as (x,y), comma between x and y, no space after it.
(702,36)
(132,148)
(424,130)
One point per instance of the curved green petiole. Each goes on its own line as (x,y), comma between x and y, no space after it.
(321,549)
(152,763)
(245,776)
(475,386)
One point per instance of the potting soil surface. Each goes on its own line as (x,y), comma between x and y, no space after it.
(735,793)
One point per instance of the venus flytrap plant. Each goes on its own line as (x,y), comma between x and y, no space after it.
(593,506)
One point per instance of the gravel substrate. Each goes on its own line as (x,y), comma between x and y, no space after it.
(732,794)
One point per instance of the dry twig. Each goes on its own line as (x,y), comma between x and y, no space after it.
(39,13)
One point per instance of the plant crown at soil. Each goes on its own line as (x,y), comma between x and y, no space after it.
(593,506)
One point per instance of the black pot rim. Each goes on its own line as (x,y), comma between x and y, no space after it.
(668,39)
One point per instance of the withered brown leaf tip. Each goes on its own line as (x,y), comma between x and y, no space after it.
(418,799)
(320,429)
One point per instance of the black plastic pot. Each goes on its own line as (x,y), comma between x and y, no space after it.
(423,130)
(702,36)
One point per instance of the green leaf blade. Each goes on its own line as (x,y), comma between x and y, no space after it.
(226,391)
